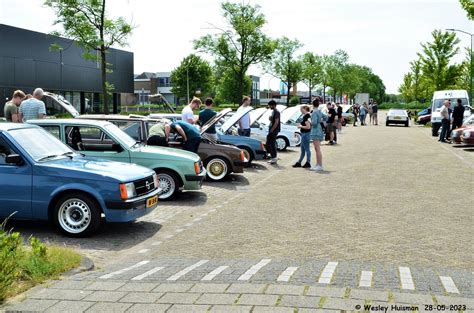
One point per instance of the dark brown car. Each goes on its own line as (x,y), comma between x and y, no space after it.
(220,160)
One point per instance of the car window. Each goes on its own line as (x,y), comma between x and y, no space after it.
(5,151)
(131,128)
(53,130)
(88,138)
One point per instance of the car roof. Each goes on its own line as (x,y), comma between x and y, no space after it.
(12,126)
(69,121)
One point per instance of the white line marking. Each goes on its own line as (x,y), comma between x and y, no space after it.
(107,276)
(254,269)
(169,236)
(156,243)
(212,210)
(406,278)
(327,273)
(448,284)
(187,270)
(197,219)
(365,279)
(204,215)
(179,230)
(148,273)
(214,273)
(188,224)
(286,274)
(143,250)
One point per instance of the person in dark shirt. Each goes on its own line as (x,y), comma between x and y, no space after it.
(458,114)
(305,129)
(191,136)
(339,116)
(330,127)
(375,110)
(273,131)
(207,114)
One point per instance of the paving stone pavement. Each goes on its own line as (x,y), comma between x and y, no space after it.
(383,239)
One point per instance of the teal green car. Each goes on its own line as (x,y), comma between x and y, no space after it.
(176,169)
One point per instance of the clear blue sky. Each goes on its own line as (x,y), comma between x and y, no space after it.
(382,34)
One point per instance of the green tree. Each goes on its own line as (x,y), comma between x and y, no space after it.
(228,88)
(435,60)
(312,70)
(200,77)
(468,6)
(87,23)
(241,44)
(466,71)
(335,71)
(285,65)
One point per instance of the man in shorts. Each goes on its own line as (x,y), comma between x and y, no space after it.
(330,126)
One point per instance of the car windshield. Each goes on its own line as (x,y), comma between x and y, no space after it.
(40,144)
(437,103)
(120,135)
(397,112)
(290,115)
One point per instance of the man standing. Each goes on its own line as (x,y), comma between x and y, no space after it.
(444,121)
(375,110)
(207,114)
(33,108)
(362,113)
(244,123)
(11,107)
(330,127)
(190,134)
(458,114)
(339,117)
(273,131)
(187,113)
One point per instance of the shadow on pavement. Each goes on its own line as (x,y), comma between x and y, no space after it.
(188,198)
(255,167)
(231,182)
(111,236)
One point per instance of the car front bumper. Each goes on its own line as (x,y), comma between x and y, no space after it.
(194,182)
(129,210)
(390,121)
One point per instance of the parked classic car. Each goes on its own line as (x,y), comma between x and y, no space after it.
(397,116)
(467,137)
(44,179)
(423,119)
(176,169)
(457,134)
(220,160)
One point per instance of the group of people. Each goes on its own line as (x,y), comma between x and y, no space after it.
(23,107)
(446,124)
(360,113)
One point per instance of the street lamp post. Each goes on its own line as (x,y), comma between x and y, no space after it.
(187,84)
(470,56)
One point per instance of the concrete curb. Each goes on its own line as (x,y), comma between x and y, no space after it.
(86,265)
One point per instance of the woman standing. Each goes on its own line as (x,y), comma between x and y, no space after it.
(305,129)
(317,134)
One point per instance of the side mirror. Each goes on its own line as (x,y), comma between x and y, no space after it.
(14,159)
(116,147)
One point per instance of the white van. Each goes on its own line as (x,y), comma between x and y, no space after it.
(437,103)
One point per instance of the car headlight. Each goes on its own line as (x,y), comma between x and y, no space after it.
(242,155)
(127,191)
(467,134)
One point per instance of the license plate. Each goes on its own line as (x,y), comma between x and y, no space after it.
(397,118)
(152,201)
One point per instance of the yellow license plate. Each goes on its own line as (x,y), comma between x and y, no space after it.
(151,202)
(397,118)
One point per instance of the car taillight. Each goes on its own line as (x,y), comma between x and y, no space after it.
(127,191)
(197,167)
(242,155)
(262,146)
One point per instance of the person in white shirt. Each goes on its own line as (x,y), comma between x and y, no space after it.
(244,123)
(445,121)
(187,114)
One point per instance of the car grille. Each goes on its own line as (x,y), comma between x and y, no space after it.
(144,186)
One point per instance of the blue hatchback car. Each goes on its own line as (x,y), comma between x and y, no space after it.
(43,179)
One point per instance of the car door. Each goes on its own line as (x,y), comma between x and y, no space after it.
(94,142)
(15,184)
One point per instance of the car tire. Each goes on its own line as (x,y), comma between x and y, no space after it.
(298,139)
(406,124)
(281,143)
(77,215)
(386,123)
(169,183)
(248,155)
(217,168)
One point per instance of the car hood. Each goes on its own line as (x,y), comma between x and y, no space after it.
(62,102)
(214,120)
(257,114)
(235,118)
(97,169)
(161,153)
